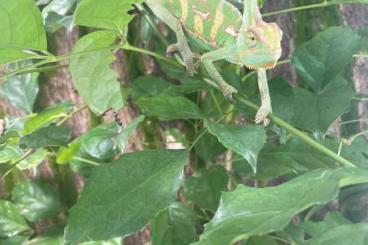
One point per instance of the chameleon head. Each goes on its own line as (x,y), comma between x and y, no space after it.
(259,43)
(260,46)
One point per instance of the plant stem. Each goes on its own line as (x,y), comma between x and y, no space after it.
(151,23)
(72,115)
(360,56)
(36,67)
(217,104)
(311,6)
(86,161)
(197,139)
(27,154)
(354,121)
(362,99)
(321,148)
(153,54)
(355,136)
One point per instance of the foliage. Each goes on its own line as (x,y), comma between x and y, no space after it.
(223,180)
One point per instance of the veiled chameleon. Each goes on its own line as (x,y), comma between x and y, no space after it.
(223,33)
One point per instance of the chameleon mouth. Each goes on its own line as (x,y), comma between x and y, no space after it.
(265,66)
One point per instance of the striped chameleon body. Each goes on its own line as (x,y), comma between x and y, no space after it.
(224,33)
(215,24)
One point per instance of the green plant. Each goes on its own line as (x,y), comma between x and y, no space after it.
(243,182)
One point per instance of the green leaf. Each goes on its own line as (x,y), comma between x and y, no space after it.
(10,154)
(60,7)
(46,116)
(52,236)
(356,234)
(100,142)
(47,136)
(146,86)
(55,21)
(208,147)
(104,14)
(36,200)
(332,220)
(152,86)
(105,140)
(315,112)
(262,240)
(169,107)
(114,241)
(205,190)
(21,28)
(174,225)
(247,141)
(282,98)
(66,154)
(356,151)
(93,78)
(21,90)
(295,157)
(352,203)
(46,240)
(249,211)
(320,60)
(134,188)
(14,240)
(125,133)
(33,160)
(11,221)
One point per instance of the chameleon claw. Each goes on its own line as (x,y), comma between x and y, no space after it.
(262,114)
(229,93)
(171,49)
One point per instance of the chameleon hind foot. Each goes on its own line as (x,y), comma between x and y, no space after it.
(262,114)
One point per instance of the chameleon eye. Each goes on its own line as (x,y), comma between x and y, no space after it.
(252,41)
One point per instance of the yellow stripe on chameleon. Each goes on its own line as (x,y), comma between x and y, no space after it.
(219,18)
(198,24)
(184,9)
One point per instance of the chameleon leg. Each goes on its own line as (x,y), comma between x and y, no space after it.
(265,108)
(184,48)
(207,60)
(176,25)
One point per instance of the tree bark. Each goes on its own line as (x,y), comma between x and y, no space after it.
(355,15)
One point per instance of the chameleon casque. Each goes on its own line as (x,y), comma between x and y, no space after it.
(222,33)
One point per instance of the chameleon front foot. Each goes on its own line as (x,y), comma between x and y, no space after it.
(228,92)
(262,114)
(187,55)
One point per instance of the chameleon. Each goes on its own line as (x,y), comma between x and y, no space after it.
(223,33)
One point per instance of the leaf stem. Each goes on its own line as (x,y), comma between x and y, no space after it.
(354,121)
(36,67)
(151,23)
(355,136)
(217,104)
(86,161)
(66,118)
(321,148)
(311,6)
(27,154)
(153,54)
(360,56)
